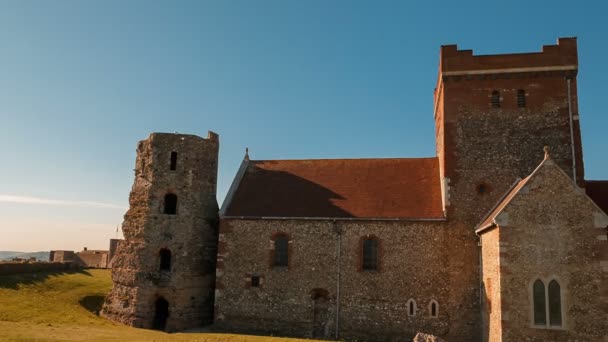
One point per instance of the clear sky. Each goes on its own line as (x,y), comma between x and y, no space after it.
(83,81)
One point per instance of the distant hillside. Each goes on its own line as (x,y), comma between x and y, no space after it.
(8,255)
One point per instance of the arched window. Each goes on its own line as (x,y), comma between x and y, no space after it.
(165,260)
(370,254)
(173,165)
(540,312)
(495,99)
(521,98)
(170,204)
(555,304)
(281,251)
(411,307)
(434,308)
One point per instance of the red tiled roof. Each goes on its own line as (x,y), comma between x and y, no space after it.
(598,191)
(339,188)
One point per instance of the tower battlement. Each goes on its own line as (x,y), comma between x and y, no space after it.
(560,57)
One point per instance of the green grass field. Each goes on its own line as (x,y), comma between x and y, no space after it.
(63,307)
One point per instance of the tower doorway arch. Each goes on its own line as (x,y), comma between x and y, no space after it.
(161,313)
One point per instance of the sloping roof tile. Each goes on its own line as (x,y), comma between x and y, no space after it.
(339,188)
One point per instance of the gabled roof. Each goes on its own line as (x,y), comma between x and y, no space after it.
(500,206)
(598,191)
(337,188)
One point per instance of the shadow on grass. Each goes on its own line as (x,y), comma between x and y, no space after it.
(13,281)
(92,303)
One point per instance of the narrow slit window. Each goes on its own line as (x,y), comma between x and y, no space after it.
(281,251)
(255,281)
(173,165)
(370,255)
(540,313)
(170,204)
(434,309)
(165,259)
(411,307)
(555,304)
(521,98)
(495,99)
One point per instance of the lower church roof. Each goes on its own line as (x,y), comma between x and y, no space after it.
(394,188)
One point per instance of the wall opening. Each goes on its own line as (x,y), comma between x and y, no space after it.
(538,293)
(255,281)
(173,165)
(411,307)
(521,98)
(170,204)
(161,313)
(165,260)
(320,298)
(482,188)
(281,251)
(495,99)
(370,254)
(434,308)
(555,304)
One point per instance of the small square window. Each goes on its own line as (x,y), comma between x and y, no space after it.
(255,281)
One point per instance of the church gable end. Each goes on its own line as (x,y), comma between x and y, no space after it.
(549,254)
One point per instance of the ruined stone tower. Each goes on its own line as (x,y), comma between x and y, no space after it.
(164,270)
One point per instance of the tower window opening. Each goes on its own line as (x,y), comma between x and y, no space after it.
(521,98)
(495,99)
(170,204)
(165,259)
(173,165)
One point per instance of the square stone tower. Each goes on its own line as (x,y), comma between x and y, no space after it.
(164,270)
(493,116)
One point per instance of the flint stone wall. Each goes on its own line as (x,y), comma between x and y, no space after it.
(551,231)
(190,235)
(373,304)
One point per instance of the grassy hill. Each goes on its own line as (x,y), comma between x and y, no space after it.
(64,306)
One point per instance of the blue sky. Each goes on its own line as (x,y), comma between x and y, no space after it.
(83,81)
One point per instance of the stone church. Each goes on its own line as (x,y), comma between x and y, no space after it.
(498,237)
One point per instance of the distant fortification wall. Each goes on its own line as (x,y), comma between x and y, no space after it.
(23,267)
